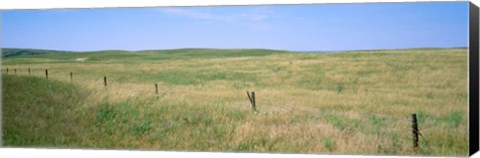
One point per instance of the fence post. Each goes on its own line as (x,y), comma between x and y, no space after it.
(251,97)
(15,70)
(71,77)
(156,88)
(28,70)
(105,88)
(253,104)
(46,73)
(105,80)
(415,131)
(7,70)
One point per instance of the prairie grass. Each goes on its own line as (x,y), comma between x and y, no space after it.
(342,103)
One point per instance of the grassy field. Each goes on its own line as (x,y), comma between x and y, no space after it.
(342,103)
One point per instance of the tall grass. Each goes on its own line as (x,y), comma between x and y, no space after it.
(344,103)
(37,112)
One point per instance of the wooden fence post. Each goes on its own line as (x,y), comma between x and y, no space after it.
(71,77)
(28,70)
(254,104)
(251,97)
(156,88)
(7,70)
(15,70)
(105,80)
(46,73)
(415,131)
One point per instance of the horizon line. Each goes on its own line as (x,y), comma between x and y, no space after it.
(307,51)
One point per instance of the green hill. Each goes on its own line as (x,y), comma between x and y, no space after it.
(22,55)
(15,52)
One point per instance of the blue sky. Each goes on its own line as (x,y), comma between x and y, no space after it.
(321,27)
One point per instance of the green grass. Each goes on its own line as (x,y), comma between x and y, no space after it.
(357,102)
(329,144)
(34,107)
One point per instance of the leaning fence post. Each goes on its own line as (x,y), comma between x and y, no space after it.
(415,131)
(46,73)
(251,97)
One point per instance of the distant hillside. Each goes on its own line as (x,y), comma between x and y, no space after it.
(371,50)
(127,56)
(15,52)
(173,53)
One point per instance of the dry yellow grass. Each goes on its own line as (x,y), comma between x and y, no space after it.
(344,103)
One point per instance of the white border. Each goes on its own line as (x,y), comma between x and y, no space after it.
(53,4)
(76,153)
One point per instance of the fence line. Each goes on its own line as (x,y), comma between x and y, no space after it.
(252,100)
